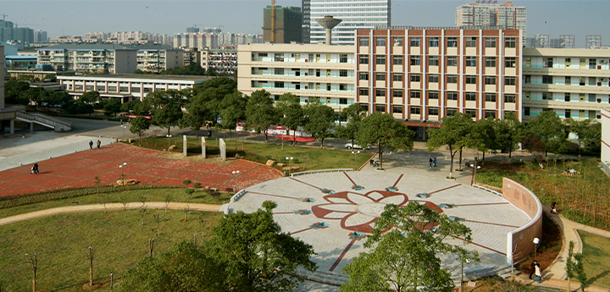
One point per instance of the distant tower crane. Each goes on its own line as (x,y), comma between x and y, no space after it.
(4,16)
(272,21)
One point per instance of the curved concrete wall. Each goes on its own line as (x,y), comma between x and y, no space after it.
(520,242)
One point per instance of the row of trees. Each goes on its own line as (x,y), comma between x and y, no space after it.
(545,133)
(247,252)
(192,69)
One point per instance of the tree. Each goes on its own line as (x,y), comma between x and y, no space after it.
(139,125)
(167,116)
(113,106)
(233,110)
(256,255)
(551,131)
(509,132)
(593,137)
(195,116)
(452,133)
(482,137)
(291,112)
(90,97)
(320,119)
(575,268)
(587,131)
(184,268)
(354,115)
(260,113)
(136,107)
(382,130)
(405,259)
(13,90)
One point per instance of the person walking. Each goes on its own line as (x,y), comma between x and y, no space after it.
(99,143)
(434,161)
(533,265)
(538,274)
(430,161)
(91,144)
(35,169)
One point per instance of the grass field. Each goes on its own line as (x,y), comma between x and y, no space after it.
(152,195)
(596,252)
(307,158)
(584,198)
(61,243)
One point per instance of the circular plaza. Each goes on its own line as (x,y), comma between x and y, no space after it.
(334,212)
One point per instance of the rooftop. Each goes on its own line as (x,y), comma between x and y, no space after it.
(141,76)
(108,47)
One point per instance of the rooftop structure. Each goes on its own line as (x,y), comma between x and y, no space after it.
(286,26)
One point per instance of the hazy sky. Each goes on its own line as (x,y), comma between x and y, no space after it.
(77,17)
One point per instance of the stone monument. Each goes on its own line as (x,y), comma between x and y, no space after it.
(184,145)
(203,147)
(223,150)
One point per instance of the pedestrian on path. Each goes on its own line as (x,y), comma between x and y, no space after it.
(91,144)
(35,169)
(434,161)
(430,161)
(534,263)
(538,274)
(99,143)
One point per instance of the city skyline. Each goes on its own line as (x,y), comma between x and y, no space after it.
(68,17)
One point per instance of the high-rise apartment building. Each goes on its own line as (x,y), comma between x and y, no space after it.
(282,24)
(421,74)
(574,83)
(356,14)
(484,13)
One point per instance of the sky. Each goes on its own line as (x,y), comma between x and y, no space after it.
(77,17)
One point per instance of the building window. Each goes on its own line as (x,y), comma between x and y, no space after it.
(490,80)
(471,42)
(490,42)
(397,109)
(490,61)
(510,42)
(452,61)
(591,97)
(451,111)
(490,97)
(364,59)
(471,96)
(471,79)
(452,79)
(342,58)
(526,111)
(568,80)
(568,113)
(364,91)
(397,77)
(379,92)
(471,61)
(452,95)
(433,78)
(452,42)
(415,110)
(398,41)
(567,97)
(510,62)
(547,62)
(379,76)
(279,84)
(415,94)
(415,60)
(415,42)
(343,87)
(397,93)
(490,114)
(379,60)
(380,42)
(363,76)
(547,96)
(415,78)
(433,42)
(342,73)
(509,80)
(279,58)
(397,60)
(547,79)
(510,98)
(342,100)
(380,107)
(432,94)
(433,111)
(592,63)
(471,112)
(278,71)
(433,61)
(263,54)
(364,42)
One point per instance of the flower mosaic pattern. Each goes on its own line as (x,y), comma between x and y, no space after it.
(357,212)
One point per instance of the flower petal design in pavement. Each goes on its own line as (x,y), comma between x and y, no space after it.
(357,212)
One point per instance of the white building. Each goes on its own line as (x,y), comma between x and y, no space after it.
(306,70)
(2,77)
(89,58)
(505,15)
(156,58)
(572,82)
(356,14)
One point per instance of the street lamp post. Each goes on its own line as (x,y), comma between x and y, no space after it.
(355,154)
(91,255)
(122,166)
(289,159)
(536,242)
(124,127)
(34,263)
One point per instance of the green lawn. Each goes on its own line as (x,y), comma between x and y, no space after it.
(152,195)
(307,158)
(119,240)
(596,253)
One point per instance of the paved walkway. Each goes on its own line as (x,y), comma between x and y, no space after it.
(110,206)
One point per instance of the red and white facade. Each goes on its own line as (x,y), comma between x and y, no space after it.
(421,74)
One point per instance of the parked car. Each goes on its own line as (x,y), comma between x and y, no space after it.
(356,146)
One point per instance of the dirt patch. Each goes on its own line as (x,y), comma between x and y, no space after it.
(549,248)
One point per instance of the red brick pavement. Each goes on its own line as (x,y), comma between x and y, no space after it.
(80,169)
